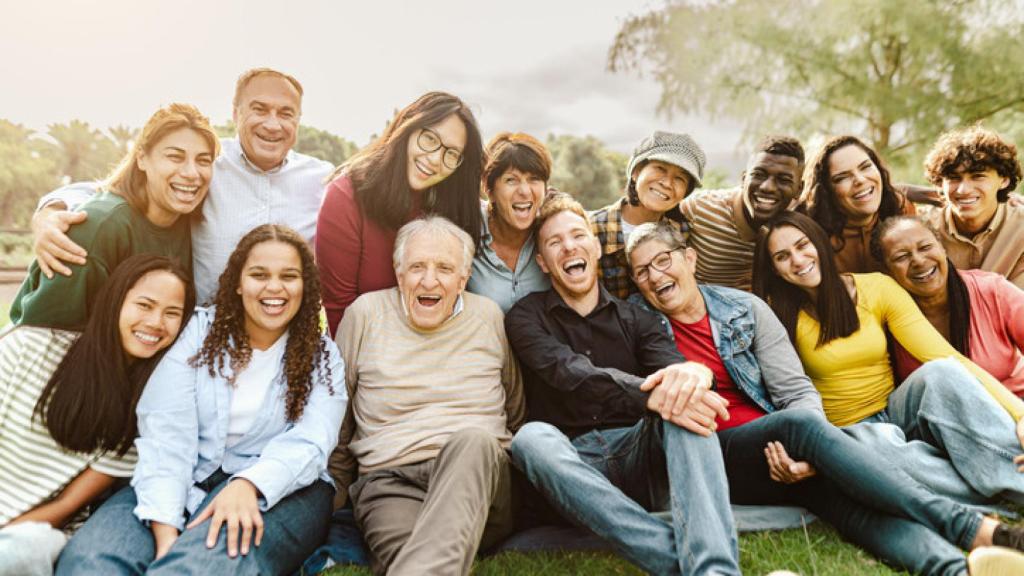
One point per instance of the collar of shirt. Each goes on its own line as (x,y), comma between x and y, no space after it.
(739,216)
(487,251)
(239,155)
(981,237)
(554,300)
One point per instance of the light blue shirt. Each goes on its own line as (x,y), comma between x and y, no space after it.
(492,278)
(241,197)
(183,424)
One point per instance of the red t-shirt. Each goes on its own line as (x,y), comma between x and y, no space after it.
(697,343)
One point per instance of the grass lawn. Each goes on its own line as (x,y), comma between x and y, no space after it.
(816,550)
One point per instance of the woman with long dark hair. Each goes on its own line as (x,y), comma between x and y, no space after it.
(67,405)
(139,209)
(236,424)
(848,191)
(980,313)
(428,160)
(838,324)
(515,180)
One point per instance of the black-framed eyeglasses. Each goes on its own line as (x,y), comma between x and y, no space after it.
(429,141)
(662,261)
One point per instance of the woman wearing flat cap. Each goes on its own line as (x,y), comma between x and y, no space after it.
(664,168)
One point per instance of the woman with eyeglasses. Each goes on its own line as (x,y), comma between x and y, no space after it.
(838,324)
(428,160)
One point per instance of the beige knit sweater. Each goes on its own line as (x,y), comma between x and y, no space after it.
(409,390)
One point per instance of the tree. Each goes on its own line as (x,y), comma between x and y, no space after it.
(898,73)
(585,169)
(324,145)
(123,137)
(81,152)
(25,174)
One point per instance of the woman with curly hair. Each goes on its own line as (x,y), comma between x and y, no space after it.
(515,180)
(977,171)
(68,417)
(848,191)
(236,425)
(838,324)
(428,160)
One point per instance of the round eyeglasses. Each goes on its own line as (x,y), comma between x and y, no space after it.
(429,141)
(662,261)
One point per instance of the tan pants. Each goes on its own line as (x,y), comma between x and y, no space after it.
(432,517)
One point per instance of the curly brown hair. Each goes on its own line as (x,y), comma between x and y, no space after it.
(973,149)
(306,351)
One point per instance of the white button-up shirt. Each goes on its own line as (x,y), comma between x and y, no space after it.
(241,198)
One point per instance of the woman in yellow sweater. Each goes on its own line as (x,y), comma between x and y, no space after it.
(838,324)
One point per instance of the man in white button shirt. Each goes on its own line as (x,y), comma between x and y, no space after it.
(257,179)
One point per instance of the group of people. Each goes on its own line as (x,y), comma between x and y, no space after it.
(493,356)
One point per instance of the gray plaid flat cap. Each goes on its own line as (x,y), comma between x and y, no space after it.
(676,149)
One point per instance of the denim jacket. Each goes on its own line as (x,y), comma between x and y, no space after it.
(755,349)
(183,423)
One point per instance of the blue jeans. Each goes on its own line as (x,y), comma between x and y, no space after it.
(115,542)
(871,503)
(606,480)
(958,441)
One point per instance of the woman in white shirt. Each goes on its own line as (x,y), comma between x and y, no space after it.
(236,425)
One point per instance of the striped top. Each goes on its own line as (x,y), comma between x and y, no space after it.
(721,236)
(411,390)
(33,468)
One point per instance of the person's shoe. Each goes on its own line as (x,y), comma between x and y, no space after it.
(781,573)
(995,561)
(1008,536)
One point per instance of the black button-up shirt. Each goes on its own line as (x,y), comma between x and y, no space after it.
(583,373)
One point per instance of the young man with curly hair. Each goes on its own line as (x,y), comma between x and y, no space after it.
(977,171)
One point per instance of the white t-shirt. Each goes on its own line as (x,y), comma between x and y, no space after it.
(251,388)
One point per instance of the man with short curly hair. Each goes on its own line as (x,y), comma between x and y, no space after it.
(977,171)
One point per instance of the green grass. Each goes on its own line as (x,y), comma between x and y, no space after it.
(811,551)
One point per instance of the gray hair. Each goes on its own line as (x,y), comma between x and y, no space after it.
(433,225)
(662,230)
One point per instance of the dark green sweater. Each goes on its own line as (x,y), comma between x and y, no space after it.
(112,232)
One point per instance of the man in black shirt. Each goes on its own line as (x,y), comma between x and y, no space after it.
(621,424)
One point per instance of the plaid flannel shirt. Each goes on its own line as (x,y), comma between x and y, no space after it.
(613,269)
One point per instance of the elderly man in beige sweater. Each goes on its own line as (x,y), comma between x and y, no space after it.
(435,397)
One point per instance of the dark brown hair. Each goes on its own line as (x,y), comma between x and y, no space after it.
(520,151)
(973,149)
(820,195)
(306,349)
(89,402)
(379,172)
(782,146)
(835,310)
(957,297)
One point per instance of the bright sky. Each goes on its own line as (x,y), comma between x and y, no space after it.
(536,66)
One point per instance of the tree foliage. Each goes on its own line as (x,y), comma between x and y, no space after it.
(82,152)
(897,73)
(26,173)
(584,168)
(324,145)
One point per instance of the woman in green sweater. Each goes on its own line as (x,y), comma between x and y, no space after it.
(971,426)
(138,210)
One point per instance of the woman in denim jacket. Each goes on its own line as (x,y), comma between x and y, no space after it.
(236,425)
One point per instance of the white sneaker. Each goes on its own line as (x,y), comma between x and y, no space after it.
(995,561)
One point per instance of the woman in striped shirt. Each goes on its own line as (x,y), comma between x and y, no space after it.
(67,406)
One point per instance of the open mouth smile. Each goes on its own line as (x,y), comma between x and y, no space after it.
(575,267)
